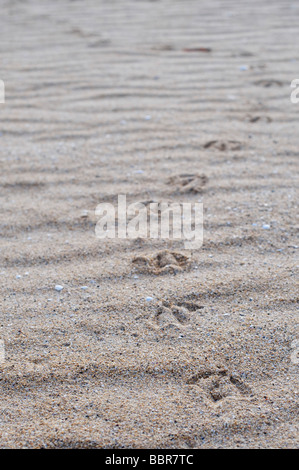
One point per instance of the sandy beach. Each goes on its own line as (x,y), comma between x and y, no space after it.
(148,344)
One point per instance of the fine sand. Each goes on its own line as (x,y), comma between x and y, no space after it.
(124,97)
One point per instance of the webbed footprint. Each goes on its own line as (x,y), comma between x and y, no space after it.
(254,119)
(164,261)
(220,383)
(188,183)
(179,313)
(267,83)
(223,145)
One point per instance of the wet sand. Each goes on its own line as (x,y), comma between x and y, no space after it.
(124,97)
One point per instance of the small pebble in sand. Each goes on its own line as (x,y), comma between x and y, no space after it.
(18,276)
(266,227)
(84,287)
(58,288)
(149,299)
